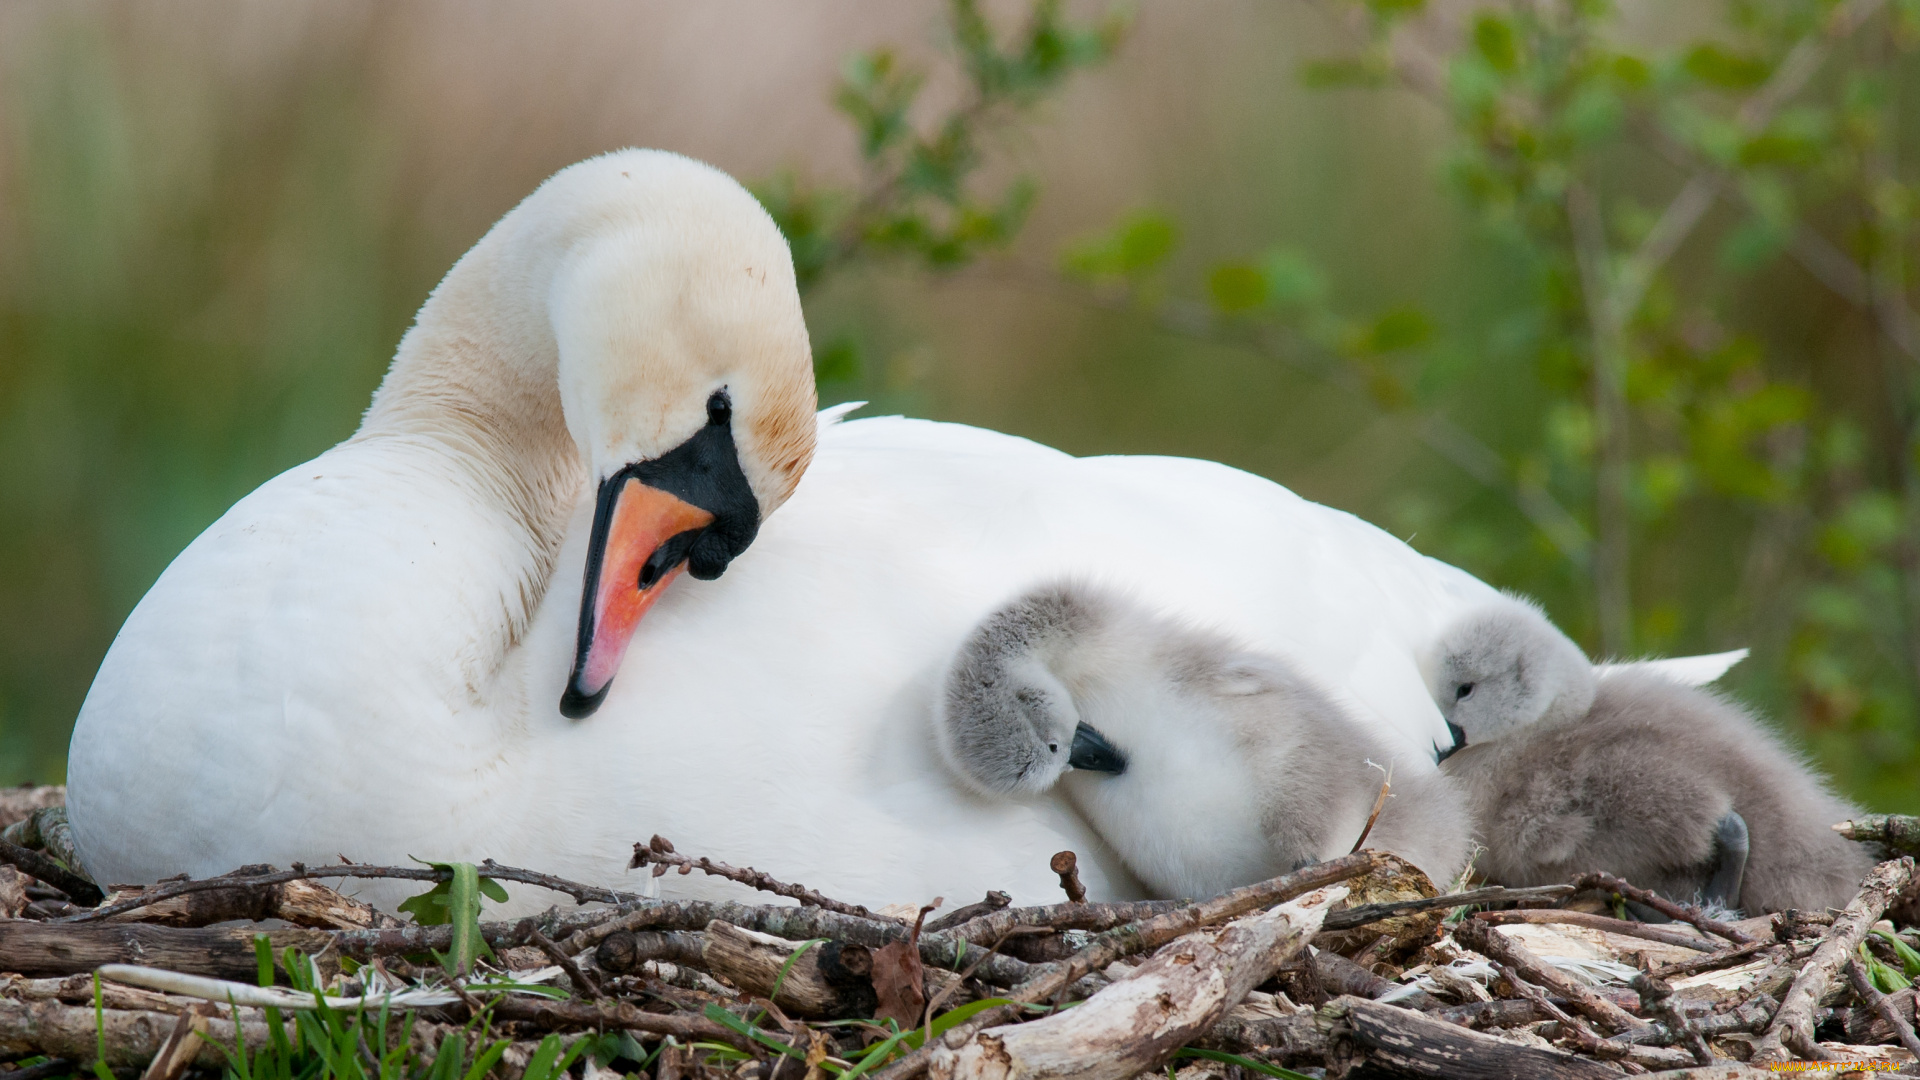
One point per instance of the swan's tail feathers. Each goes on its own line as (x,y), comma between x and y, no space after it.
(1685,670)
(833,414)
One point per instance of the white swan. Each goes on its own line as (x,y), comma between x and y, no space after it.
(371,654)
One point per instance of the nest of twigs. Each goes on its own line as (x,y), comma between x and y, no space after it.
(1353,967)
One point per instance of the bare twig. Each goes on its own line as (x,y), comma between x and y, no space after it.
(83,892)
(1792,1027)
(1898,831)
(301,872)
(1685,913)
(995,901)
(1362,914)
(1658,999)
(1602,923)
(582,981)
(1878,1002)
(1714,961)
(1485,940)
(659,853)
(1067,865)
(1379,804)
(547,1013)
(994,925)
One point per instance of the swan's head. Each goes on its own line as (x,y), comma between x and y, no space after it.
(1006,722)
(686,379)
(1504,666)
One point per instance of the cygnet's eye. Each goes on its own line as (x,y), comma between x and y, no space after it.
(1053,747)
(1464,692)
(719,407)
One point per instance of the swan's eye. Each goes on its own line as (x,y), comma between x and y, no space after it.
(719,408)
(1053,748)
(1465,692)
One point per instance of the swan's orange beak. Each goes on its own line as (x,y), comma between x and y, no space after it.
(641,536)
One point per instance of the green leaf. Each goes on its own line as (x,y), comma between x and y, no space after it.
(100,1069)
(1345,71)
(1909,959)
(1752,244)
(550,1061)
(1399,328)
(1496,41)
(455,903)
(1716,65)
(1884,978)
(493,890)
(948,1020)
(1140,243)
(1237,287)
(724,1018)
(1293,278)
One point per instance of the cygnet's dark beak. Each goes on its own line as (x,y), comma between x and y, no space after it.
(1459,740)
(1092,752)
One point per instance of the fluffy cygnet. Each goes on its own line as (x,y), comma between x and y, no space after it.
(1204,765)
(1671,787)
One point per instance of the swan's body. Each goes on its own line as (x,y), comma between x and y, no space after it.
(1672,787)
(363,656)
(1204,765)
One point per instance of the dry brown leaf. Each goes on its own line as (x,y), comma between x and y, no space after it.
(899,982)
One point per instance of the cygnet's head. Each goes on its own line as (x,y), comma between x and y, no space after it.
(665,296)
(1504,666)
(1006,722)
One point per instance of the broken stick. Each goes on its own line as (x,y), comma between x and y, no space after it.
(1481,937)
(1135,1025)
(1792,1027)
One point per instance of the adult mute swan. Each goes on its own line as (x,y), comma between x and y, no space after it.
(409,645)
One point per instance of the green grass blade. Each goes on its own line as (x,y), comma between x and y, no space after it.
(1244,1062)
(726,1019)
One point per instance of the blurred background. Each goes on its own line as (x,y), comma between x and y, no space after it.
(1604,303)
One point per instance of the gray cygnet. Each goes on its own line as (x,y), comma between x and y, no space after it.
(1672,787)
(1205,765)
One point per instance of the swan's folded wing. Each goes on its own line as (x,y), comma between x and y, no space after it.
(1685,670)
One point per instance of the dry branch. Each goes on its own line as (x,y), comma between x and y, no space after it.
(302,903)
(1136,1024)
(1879,1003)
(84,892)
(1485,940)
(1685,913)
(1646,931)
(1067,865)
(606,1015)
(1792,1027)
(1898,831)
(132,1038)
(1362,914)
(250,878)
(42,949)
(995,901)
(659,854)
(826,979)
(1371,1037)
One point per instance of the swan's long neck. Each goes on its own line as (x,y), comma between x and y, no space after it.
(475,382)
